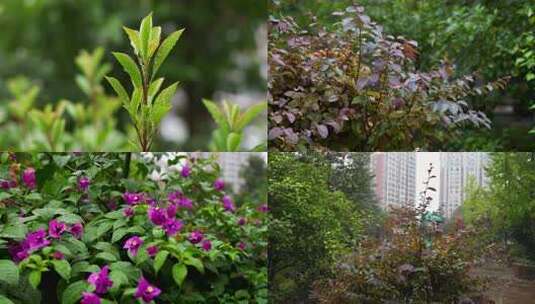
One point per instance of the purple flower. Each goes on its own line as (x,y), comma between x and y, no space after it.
(185,202)
(101,280)
(172,226)
(263,208)
(5,184)
(206,245)
(242,221)
(128,212)
(89,298)
(83,183)
(152,250)
(132,198)
(152,202)
(133,244)
(219,184)
(195,237)
(77,230)
(174,197)
(56,228)
(186,171)
(28,177)
(18,251)
(58,255)
(157,216)
(228,204)
(171,210)
(241,245)
(146,291)
(36,240)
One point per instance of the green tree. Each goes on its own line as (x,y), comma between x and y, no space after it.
(254,172)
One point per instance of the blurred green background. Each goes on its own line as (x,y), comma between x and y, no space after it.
(487,37)
(222,54)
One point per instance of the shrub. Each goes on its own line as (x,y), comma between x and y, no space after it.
(414,262)
(82,226)
(352,87)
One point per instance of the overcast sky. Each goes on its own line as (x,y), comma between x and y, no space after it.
(422,164)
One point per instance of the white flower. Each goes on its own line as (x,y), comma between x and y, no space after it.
(157,176)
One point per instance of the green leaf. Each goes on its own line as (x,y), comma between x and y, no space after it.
(63,268)
(135,41)
(159,260)
(130,67)
(180,271)
(119,279)
(145,31)
(216,114)
(106,256)
(233,141)
(164,50)
(9,272)
(249,115)
(119,234)
(4,300)
(119,89)
(73,292)
(154,88)
(14,232)
(35,278)
(162,105)
(155,40)
(195,263)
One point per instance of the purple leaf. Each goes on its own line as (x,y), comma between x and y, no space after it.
(323,131)
(275,133)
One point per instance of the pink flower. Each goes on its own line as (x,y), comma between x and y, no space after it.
(132,198)
(228,204)
(133,244)
(77,230)
(58,255)
(83,183)
(186,171)
(185,202)
(242,221)
(206,245)
(196,237)
(128,212)
(101,280)
(219,184)
(56,228)
(241,245)
(171,210)
(152,250)
(172,226)
(28,177)
(263,208)
(146,291)
(90,298)
(157,216)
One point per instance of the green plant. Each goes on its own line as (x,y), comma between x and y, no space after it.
(231,122)
(66,217)
(146,105)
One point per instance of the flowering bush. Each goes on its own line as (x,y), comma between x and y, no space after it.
(116,228)
(352,87)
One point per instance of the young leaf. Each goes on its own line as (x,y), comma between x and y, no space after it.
(162,105)
(154,88)
(180,271)
(34,278)
(73,292)
(249,115)
(165,49)
(233,141)
(216,114)
(63,268)
(155,40)
(119,89)
(135,41)
(145,31)
(159,260)
(130,67)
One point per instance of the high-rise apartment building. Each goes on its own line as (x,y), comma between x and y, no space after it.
(455,171)
(394,178)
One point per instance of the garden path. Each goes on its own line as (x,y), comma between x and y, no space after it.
(505,288)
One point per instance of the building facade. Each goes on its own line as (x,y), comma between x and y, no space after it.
(456,168)
(394,178)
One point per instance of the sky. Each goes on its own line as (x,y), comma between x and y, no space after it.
(422,164)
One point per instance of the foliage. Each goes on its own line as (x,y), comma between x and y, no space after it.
(87,225)
(414,262)
(146,105)
(218,54)
(231,123)
(254,173)
(352,87)
(506,207)
(85,125)
(312,225)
